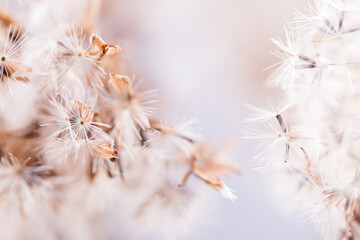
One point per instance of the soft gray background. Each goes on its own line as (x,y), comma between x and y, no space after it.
(206,57)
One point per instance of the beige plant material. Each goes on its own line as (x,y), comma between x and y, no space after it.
(87,146)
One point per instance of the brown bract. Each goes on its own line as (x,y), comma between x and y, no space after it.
(208,166)
(102,48)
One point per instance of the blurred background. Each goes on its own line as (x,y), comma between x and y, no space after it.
(207,57)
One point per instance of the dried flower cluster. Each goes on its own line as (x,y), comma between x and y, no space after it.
(81,155)
(311,141)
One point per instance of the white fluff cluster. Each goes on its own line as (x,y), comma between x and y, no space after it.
(311,141)
(81,155)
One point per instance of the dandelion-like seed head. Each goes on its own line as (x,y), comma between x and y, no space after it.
(314,140)
(74,59)
(20,178)
(73,128)
(12,43)
(131,109)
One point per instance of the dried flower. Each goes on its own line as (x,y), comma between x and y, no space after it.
(87,147)
(311,144)
(75,128)
(23,181)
